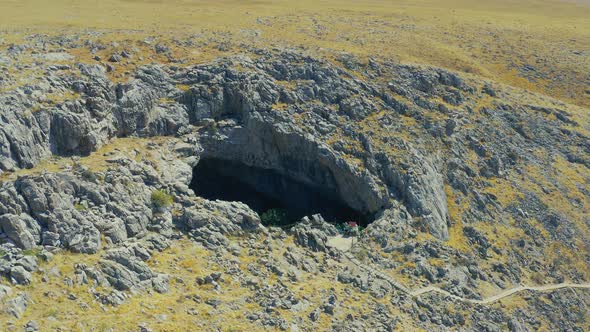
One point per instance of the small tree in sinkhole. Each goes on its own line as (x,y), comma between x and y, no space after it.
(275,217)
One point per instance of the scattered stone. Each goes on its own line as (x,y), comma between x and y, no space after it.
(115,58)
(32,326)
(213,302)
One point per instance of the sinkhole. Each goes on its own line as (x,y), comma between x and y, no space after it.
(266,190)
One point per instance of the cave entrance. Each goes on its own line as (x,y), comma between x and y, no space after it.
(265,190)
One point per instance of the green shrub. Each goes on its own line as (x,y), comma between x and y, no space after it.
(54,312)
(2,253)
(361,254)
(32,252)
(275,217)
(161,199)
(80,207)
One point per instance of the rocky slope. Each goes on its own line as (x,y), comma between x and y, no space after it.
(466,185)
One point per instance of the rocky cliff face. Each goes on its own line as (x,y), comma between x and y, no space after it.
(452,170)
(239,105)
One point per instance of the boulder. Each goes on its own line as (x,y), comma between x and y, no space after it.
(4,292)
(313,232)
(19,275)
(17,306)
(16,228)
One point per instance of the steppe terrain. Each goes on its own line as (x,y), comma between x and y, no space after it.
(541,46)
(456,134)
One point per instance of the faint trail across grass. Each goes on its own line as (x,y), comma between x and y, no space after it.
(433,289)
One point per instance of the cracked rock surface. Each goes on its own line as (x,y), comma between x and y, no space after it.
(458,179)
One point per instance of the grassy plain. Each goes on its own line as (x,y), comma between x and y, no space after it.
(539,45)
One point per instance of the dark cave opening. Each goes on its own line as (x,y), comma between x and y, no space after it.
(264,189)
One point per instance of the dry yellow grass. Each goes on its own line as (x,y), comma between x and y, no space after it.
(56,310)
(492,38)
(129,147)
(457,238)
(184,261)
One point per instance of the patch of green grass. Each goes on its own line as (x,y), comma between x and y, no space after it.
(80,207)
(162,199)
(51,312)
(32,252)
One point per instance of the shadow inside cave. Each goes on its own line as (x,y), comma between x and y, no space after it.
(265,189)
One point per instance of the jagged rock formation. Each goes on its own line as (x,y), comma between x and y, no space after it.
(251,132)
(402,145)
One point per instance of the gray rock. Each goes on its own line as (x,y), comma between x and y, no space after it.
(213,302)
(19,275)
(313,233)
(17,306)
(422,189)
(233,105)
(45,255)
(16,228)
(4,292)
(160,48)
(209,222)
(124,270)
(515,326)
(115,58)
(31,326)
(283,149)
(114,298)
(315,315)
(160,283)
(29,263)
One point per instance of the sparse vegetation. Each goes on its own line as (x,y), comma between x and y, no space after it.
(32,252)
(161,199)
(500,230)
(80,207)
(275,217)
(361,254)
(472,37)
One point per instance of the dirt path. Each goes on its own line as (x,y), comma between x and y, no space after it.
(346,245)
(504,294)
(340,243)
